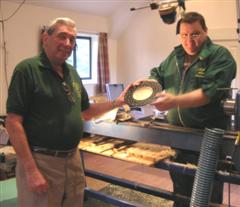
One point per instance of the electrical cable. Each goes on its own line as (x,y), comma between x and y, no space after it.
(229,194)
(11,15)
(238,19)
(230,159)
(4,53)
(2,21)
(4,45)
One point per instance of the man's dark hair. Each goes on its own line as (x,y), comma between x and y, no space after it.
(191,17)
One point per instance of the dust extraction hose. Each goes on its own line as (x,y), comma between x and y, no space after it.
(207,164)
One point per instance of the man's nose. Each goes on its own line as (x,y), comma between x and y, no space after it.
(189,40)
(68,42)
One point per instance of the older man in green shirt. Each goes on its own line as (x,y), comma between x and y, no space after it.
(45,106)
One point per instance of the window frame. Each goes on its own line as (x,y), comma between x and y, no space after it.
(90,55)
(93,53)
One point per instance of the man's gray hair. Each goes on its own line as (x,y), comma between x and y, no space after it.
(62,21)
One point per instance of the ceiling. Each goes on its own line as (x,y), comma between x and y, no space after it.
(94,7)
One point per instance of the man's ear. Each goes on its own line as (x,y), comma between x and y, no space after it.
(44,37)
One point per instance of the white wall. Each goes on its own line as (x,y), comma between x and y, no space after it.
(147,41)
(22,30)
(138,41)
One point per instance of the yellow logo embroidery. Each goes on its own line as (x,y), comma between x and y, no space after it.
(76,88)
(200,72)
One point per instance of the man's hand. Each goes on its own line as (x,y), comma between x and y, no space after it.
(165,101)
(36,182)
(120,100)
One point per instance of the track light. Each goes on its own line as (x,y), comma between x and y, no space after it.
(168,14)
(167,9)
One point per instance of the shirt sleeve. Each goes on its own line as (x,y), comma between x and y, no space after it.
(84,99)
(19,92)
(155,73)
(220,72)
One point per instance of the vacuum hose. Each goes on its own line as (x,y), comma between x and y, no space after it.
(207,164)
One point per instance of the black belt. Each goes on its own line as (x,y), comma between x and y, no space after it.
(55,153)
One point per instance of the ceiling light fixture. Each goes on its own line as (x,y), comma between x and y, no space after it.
(167,9)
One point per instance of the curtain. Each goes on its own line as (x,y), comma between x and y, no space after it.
(103,63)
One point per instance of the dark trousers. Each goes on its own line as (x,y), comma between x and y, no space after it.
(183,184)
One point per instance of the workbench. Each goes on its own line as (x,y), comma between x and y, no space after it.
(164,134)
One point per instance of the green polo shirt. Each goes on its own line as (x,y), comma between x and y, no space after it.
(36,93)
(214,68)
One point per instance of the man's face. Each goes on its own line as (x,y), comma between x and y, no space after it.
(192,37)
(60,44)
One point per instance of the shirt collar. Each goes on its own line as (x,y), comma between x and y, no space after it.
(45,63)
(205,51)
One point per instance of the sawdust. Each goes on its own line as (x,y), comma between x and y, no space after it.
(133,196)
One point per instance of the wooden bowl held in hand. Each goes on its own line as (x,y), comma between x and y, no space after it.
(142,94)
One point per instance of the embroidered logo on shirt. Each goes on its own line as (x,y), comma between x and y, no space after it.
(76,88)
(200,72)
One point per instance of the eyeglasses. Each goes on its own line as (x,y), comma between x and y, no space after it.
(193,36)
(68,91)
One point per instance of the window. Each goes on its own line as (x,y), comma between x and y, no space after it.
(84,57)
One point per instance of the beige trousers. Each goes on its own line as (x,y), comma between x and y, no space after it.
(66,181)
